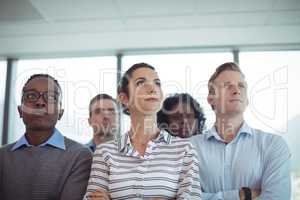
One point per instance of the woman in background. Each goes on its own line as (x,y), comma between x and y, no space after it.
(181,115)
(145,162)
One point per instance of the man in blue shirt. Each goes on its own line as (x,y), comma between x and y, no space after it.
(236,161)
(102,118)
(43,164)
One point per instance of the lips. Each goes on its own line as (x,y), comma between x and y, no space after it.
(152,99)
(233,100)
(39,112)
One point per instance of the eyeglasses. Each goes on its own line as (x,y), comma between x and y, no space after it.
(33,96)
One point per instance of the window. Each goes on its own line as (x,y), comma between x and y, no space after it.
(273,79)
(81,79)
(2,94)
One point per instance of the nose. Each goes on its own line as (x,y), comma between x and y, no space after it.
(106,116)
(151,87)
(40,102)
(236,90)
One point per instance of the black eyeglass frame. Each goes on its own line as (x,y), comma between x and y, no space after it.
(54,98)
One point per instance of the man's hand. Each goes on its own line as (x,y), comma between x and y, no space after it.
(254,193)
(98,195)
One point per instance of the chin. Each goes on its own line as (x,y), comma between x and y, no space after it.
(39,128)
(149,110)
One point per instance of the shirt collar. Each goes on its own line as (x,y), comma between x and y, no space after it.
(124,140)
(56,140)
(91,145)
(212,133)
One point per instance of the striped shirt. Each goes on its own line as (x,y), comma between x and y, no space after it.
(169,169)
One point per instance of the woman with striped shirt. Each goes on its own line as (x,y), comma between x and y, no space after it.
(145,162)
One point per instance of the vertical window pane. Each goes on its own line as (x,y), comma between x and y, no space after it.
(273,79)
(81,79)
(2,94)
(184,73)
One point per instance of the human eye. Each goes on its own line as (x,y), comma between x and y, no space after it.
(31,95)
(52,97)
(242,85)
(111,111)
(140,82)
(157,82)
(226,85)
(98,111)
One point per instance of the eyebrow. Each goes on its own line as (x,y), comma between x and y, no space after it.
(226,82)
(34,90)
(140,78)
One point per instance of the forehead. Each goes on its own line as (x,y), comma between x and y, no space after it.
(144,72)
(41,84)
(229,76)
(104,104)
(183,107)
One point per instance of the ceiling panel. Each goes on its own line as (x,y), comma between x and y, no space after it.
(38,26)
(81,27)
(155,7)
(287,4)
(76,9)
(18,11)
(215,6)
(199,21)
(284,18)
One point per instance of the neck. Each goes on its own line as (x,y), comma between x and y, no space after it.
(228,127)
(143,129)
(37,137)
(101,137)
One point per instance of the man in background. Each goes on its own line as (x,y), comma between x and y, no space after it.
(102,118)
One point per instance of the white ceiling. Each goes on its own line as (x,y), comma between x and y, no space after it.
(61,27)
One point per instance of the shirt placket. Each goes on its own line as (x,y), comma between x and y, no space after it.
(143,168)
(227,166)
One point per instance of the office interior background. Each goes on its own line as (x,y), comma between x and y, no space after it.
(87,45)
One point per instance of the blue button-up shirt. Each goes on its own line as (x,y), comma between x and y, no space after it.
(91,145)
(254,159)
(56,140)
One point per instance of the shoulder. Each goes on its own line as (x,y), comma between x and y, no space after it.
(183,143)
(107,147)
(271,143)
(180,141)
(267,137)
(7,147)
(73,147)
(199,141)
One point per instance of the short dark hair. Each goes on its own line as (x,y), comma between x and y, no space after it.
(34,76)
(229,66)
(173,100)
(123,84)
(97,98)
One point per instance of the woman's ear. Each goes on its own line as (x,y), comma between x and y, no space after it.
(123,99)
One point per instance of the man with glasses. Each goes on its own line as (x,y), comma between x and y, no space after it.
(102,118)
(43,164)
